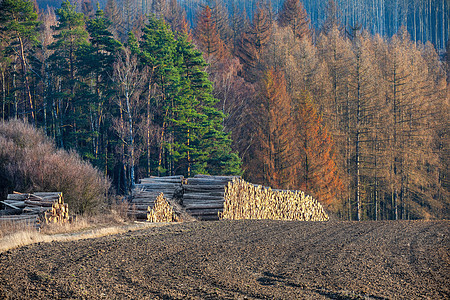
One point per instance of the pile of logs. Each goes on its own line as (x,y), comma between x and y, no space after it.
(203,196)
(244,200)
(145,193)
(35,209)
(161,212)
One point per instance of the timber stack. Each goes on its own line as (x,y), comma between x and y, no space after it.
(244,200)
(145,193)
(161,212)
(203,196)
(35,209)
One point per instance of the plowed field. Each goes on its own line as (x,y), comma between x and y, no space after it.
(239,260)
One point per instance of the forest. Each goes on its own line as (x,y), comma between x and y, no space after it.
(352,112)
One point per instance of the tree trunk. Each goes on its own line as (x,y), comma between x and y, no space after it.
(25,77)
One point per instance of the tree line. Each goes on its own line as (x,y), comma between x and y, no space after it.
(356,120)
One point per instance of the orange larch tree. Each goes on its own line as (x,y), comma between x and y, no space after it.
(316,169)
(269,161)
(208,39)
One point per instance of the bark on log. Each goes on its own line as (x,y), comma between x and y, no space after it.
(162,180)
(10,205)
(204,206)
(10,212)
(154,186)
(46,194)
(205,181)
(168,177)
(216,177)
(204,187)
(211,202)
(17,196)
(201,197)
(39,203)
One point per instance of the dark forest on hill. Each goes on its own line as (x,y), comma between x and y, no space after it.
(299,95)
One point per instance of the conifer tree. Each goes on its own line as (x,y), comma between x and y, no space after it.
(208,38)
(96,67)
(70,35)
(220,17)
(270,159)
(19,22)
(192,137)
(316,169)
(253,42)
(294,15)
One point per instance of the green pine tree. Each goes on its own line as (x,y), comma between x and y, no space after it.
(192,135)
(19,25)
(71,36)
(95,67)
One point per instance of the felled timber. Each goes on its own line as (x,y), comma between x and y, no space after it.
(35,208)
(248,201)
(145,193)
(203,196)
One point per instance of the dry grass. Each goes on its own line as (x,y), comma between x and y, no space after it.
(14,235)
(244,200)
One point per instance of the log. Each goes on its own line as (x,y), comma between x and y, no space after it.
(10,205)
(46,198)
(200,188)
(201,197)
(17,196)
(204,206)
(222,177)
(157,186)
(151,194)
(39,203)
(143,200)
(160,180)
(9,212)
(211,202)
(18,217)
(35,209)
(168,177)
(204,181)
(19,204)
(47,194)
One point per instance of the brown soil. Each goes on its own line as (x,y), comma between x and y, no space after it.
(240,260)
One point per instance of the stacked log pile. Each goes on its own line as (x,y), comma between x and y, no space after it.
(244,200)
(203,196)
(161,212)
(145,193)
(35,209)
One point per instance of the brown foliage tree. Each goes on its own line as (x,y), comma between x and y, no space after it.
(316,169)
(208,38)
(294,15)
(253,42)
(269,161)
